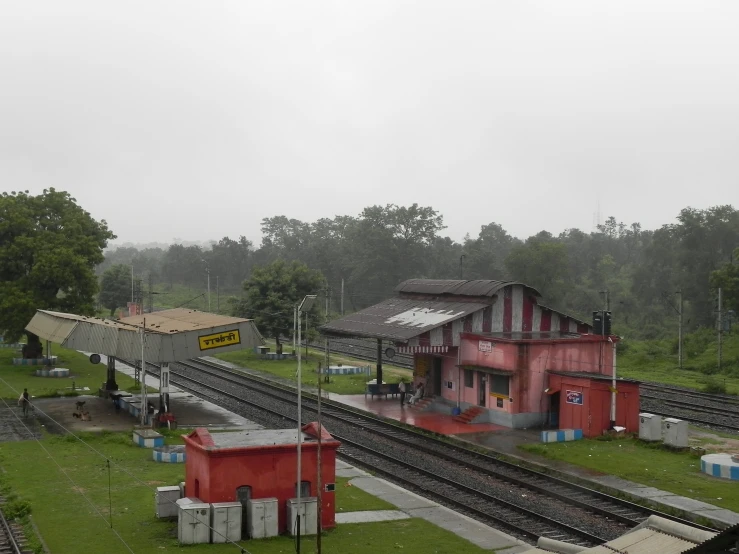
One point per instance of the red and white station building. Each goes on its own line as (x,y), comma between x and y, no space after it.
(490,344)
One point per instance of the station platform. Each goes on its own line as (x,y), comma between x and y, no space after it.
(411,415)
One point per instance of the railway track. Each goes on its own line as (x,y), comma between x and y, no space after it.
(526,503)
(12,540)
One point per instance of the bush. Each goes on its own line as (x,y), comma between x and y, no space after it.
(17,509)
(714,386)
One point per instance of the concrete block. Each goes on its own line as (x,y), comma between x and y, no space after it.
(561,435)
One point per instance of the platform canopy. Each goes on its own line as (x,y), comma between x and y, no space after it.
(170,335)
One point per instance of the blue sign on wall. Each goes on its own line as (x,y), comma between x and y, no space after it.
(574,397)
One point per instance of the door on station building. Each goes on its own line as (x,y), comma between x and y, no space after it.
(481,389)
(242,495)
(554,400)
(437,376)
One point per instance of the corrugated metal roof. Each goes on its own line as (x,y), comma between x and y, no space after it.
(655,534)
(180,334)
(399,319)
(180,319)
(439,287)
(587,375)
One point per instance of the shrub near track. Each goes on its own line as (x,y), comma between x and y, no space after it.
(68,492)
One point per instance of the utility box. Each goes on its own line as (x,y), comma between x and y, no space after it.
(165,501)
(650,427)
(193,521)
(676,432)
(225,521)
(308,510)
(261,518)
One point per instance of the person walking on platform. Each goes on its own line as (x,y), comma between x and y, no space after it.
(402,391)
(24,402)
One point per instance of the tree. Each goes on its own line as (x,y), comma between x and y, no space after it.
(115,287)
(727,279)
(49,247)
(271,294)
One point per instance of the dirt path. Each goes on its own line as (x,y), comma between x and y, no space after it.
(14,427)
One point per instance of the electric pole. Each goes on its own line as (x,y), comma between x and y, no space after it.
(720,329)
(328,303)
(680,330)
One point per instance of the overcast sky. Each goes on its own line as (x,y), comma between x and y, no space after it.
(198,119)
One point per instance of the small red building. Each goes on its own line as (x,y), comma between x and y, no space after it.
(237,466)
(583,401)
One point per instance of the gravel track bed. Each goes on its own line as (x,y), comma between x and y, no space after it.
(548,507)
(719,419)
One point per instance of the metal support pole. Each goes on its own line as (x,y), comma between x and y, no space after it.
(306,335)
(379,361)
(613,388)
(208,272)
(299,480)
(295,325)
(680,331)
(144,403)
(342,296)
(720,328)
(110,383)
(218,297)
(328,346)
(164,388)
(319,464)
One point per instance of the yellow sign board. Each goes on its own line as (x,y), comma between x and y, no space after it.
(421,366)
(218,340)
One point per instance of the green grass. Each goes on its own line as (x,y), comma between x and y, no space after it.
(286,369)
(356,500)
(67,490)
(657,360)
(652,465)
(13,379)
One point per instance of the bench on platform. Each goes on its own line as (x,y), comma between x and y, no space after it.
(384,389)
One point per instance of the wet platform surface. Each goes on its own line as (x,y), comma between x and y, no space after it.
(425,419)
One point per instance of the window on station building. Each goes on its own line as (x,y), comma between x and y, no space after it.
(499,385)
(469,378)
(304,489)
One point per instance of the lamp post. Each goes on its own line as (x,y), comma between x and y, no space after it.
(304,306)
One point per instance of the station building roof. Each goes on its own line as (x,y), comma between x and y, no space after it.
(400,319)
(169,335)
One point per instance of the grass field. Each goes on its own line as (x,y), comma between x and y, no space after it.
(340,384)
(70,490)
(652,465)
(13,379)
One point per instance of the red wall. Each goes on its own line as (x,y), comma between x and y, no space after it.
(270,471)
(594,415)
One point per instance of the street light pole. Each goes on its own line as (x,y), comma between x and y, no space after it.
(305,305)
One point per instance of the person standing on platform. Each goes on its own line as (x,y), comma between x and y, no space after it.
(24,402)
(402,390)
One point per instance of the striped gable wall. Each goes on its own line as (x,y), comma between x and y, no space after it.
(513,312)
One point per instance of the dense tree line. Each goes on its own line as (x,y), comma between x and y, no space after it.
(641,270)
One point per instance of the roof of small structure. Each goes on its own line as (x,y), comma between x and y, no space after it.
(587,375)
(655,534)
(400,319)
(452,287)
(257,438)
(171,335)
